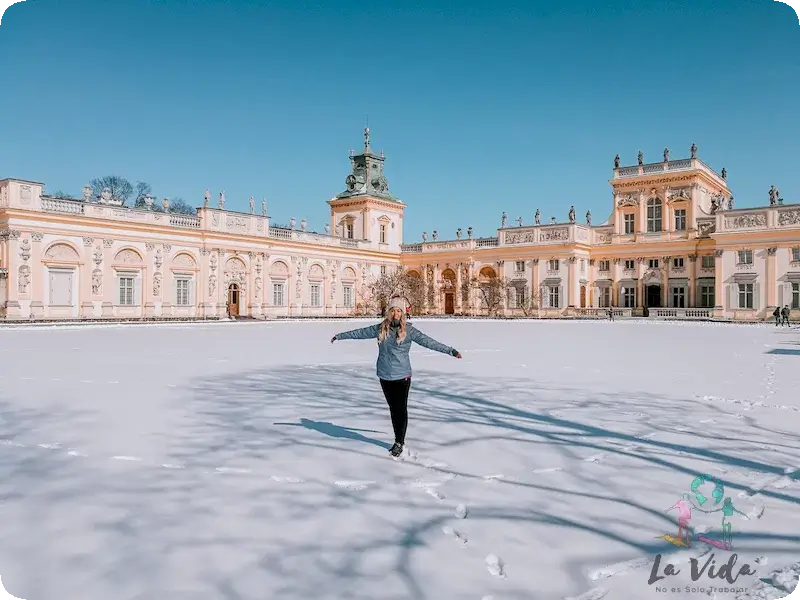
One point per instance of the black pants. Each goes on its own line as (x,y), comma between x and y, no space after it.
(396,394)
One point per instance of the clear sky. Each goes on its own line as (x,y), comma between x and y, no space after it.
(480,107)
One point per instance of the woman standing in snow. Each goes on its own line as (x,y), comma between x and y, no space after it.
(394,336)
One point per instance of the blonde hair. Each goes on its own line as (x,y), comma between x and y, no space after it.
(384,329)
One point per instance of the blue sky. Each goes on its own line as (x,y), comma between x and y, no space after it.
(480,107)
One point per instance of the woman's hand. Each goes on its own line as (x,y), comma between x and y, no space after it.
(458,355)
(455,353)
(333,339)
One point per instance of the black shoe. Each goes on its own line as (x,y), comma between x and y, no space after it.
(396,450)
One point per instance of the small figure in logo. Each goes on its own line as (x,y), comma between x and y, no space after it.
(684,508)
(728,509)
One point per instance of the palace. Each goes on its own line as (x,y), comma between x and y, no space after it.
(674,246)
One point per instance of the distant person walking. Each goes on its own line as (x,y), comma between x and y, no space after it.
(394,336)
(785,315)
(777,314)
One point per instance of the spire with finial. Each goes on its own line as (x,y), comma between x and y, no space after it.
(366,138)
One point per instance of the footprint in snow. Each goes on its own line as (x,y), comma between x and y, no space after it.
(459,537)
(495,566)
(461,511)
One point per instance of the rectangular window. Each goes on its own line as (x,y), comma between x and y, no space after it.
(653,262)
(520,266)
(605,297)
(746,295)
(315,294)
(347,296)
(796,254)
(277,294)
(796,296)
(383,269)
(653,215)
(680,219)
(60,288)
(707,261)
(126,291)
(677,263)
(706,296)
(553,296)
(745,257)
(630,265)
(678,297)
(348,228)
(383,233)
(630,223)
(182,292)
(520,297)
(629,297)
(552,264)
(605,265)
(583,265)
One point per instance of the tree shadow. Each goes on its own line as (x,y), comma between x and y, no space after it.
(336,431)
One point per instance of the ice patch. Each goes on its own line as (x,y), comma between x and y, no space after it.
(231,470)
(129,458)
(548,470)
(281,479)
(50,446)
(354,486)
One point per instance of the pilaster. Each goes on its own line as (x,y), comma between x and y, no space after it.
(571,274)
(719,287)
(148,282)
(771,280)
(38,276)
(692,300)
(85,279)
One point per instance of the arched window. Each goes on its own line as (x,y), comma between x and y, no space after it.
(653,215)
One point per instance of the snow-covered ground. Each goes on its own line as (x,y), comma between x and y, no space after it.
(248,462)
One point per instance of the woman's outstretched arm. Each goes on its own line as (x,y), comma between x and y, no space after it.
(430,343)
(365,333)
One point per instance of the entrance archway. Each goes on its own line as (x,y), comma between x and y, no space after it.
(234,295)
(653,296)
(449,303)
(583,296)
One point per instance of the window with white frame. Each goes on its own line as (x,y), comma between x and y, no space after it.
(520,297)
(277,294)
(654,215)
(583,265)
(653,263)
(347,296)
(553,264)
(706,296)
(796,296)
(553,296)
(182,291)
(605,297)
(629,297)
(678,297)
(630,223)
(680,219)
(382,233)
(707,261)
(796,254)
(746,295)
(630,265)
(383,269)
(348,231)
(60,287)
(604,265)
(677,263)
(126,290)
(315,294)
(745,257)
(519,266)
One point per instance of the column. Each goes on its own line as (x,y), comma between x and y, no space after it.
(770,280)
(615,277)
(221,296)
(108,283)
(458,289)
(571,303)
(85,279)
(535,290)
(437,292)
(148,277)
(692,299)
(640,283)
(38,276)
(665,284)
(266,291)
(719,287)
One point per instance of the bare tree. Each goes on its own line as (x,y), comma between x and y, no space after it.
(142,191)
(181,207)
(399,282)
(120,188)
(493,291)
(528,303)
(63,195)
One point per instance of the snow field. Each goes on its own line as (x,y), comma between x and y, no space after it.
(250,460)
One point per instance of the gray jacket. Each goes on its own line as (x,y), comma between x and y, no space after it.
(393,362)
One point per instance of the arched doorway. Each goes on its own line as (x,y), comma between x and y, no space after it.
(234,296)
(449,291)
(583,296)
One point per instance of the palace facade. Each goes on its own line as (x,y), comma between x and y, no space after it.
(674,246)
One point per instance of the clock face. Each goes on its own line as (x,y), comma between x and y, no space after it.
(351,182)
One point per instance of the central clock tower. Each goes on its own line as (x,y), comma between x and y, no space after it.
(366,210)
